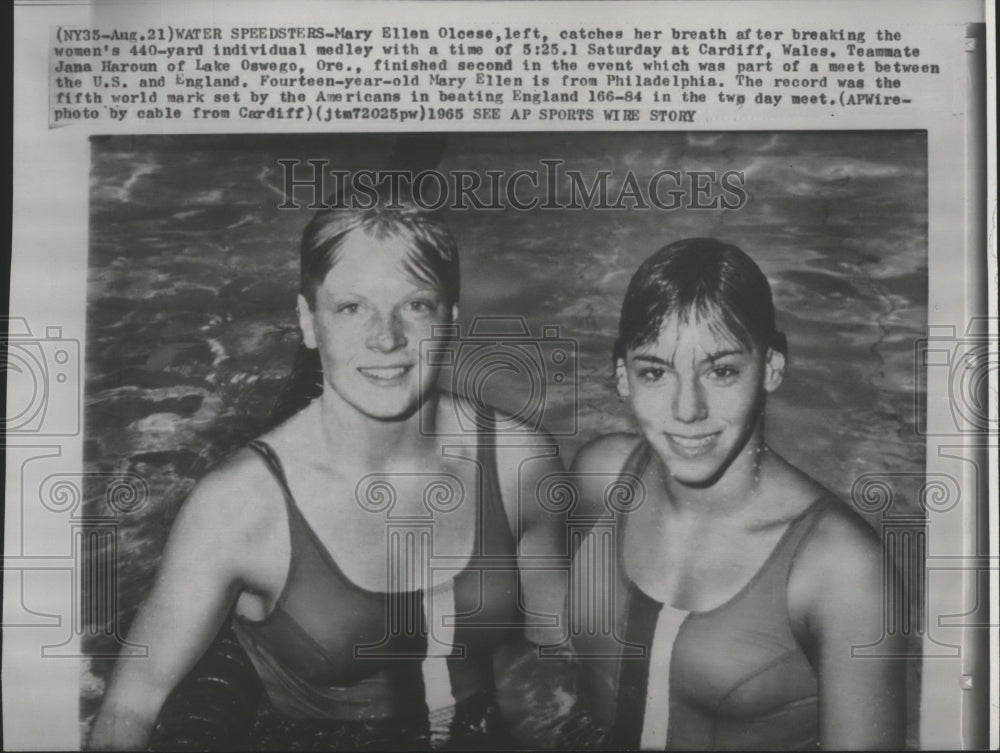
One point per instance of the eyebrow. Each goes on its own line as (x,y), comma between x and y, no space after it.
(418,289)
(649,358)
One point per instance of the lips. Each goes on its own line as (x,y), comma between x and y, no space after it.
(692,445)
(385,374)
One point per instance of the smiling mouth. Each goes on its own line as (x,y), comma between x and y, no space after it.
(692,445)
(384,374)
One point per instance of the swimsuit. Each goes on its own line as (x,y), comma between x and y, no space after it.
(732,677)
(332,650)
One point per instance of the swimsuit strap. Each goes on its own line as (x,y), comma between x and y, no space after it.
(301,532)
(802,527)
(493,534)
(298,526)
(297,523)
(631,477)
(779,560)
(636,462)
(273,463)
(773,574)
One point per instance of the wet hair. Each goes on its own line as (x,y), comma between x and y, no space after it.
(702,278)
(380,213)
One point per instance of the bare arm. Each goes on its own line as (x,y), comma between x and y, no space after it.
(551,502)
(836,589)
(532,483)
(195,587)
(596,474)
(539,695)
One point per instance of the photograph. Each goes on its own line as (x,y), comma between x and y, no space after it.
(491,440)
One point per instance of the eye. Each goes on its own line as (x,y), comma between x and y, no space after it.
(348,309)
(421,306)
(650,373)
(724,373)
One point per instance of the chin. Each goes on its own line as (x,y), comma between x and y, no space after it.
(390,410)
(698,477)
(396,404)
(698,473)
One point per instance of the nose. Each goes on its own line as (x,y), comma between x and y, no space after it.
(689,400)
(387,334)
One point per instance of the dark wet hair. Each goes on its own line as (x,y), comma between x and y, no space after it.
(703,277)
(381,213)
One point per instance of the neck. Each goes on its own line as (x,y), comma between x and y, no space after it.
(367,442)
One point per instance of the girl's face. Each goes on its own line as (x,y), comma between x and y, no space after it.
(697,394)
(369,320)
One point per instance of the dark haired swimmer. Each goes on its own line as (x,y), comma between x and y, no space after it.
(737,585)
(368,550)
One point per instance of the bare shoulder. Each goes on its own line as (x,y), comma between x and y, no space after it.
(597,467)
(605,454)
(525,455)
(514,439)
(233,503)
(841,537)
(839,565)
(507,424)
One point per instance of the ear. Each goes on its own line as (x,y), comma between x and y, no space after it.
(621,378)
(774,369)
(306,322)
